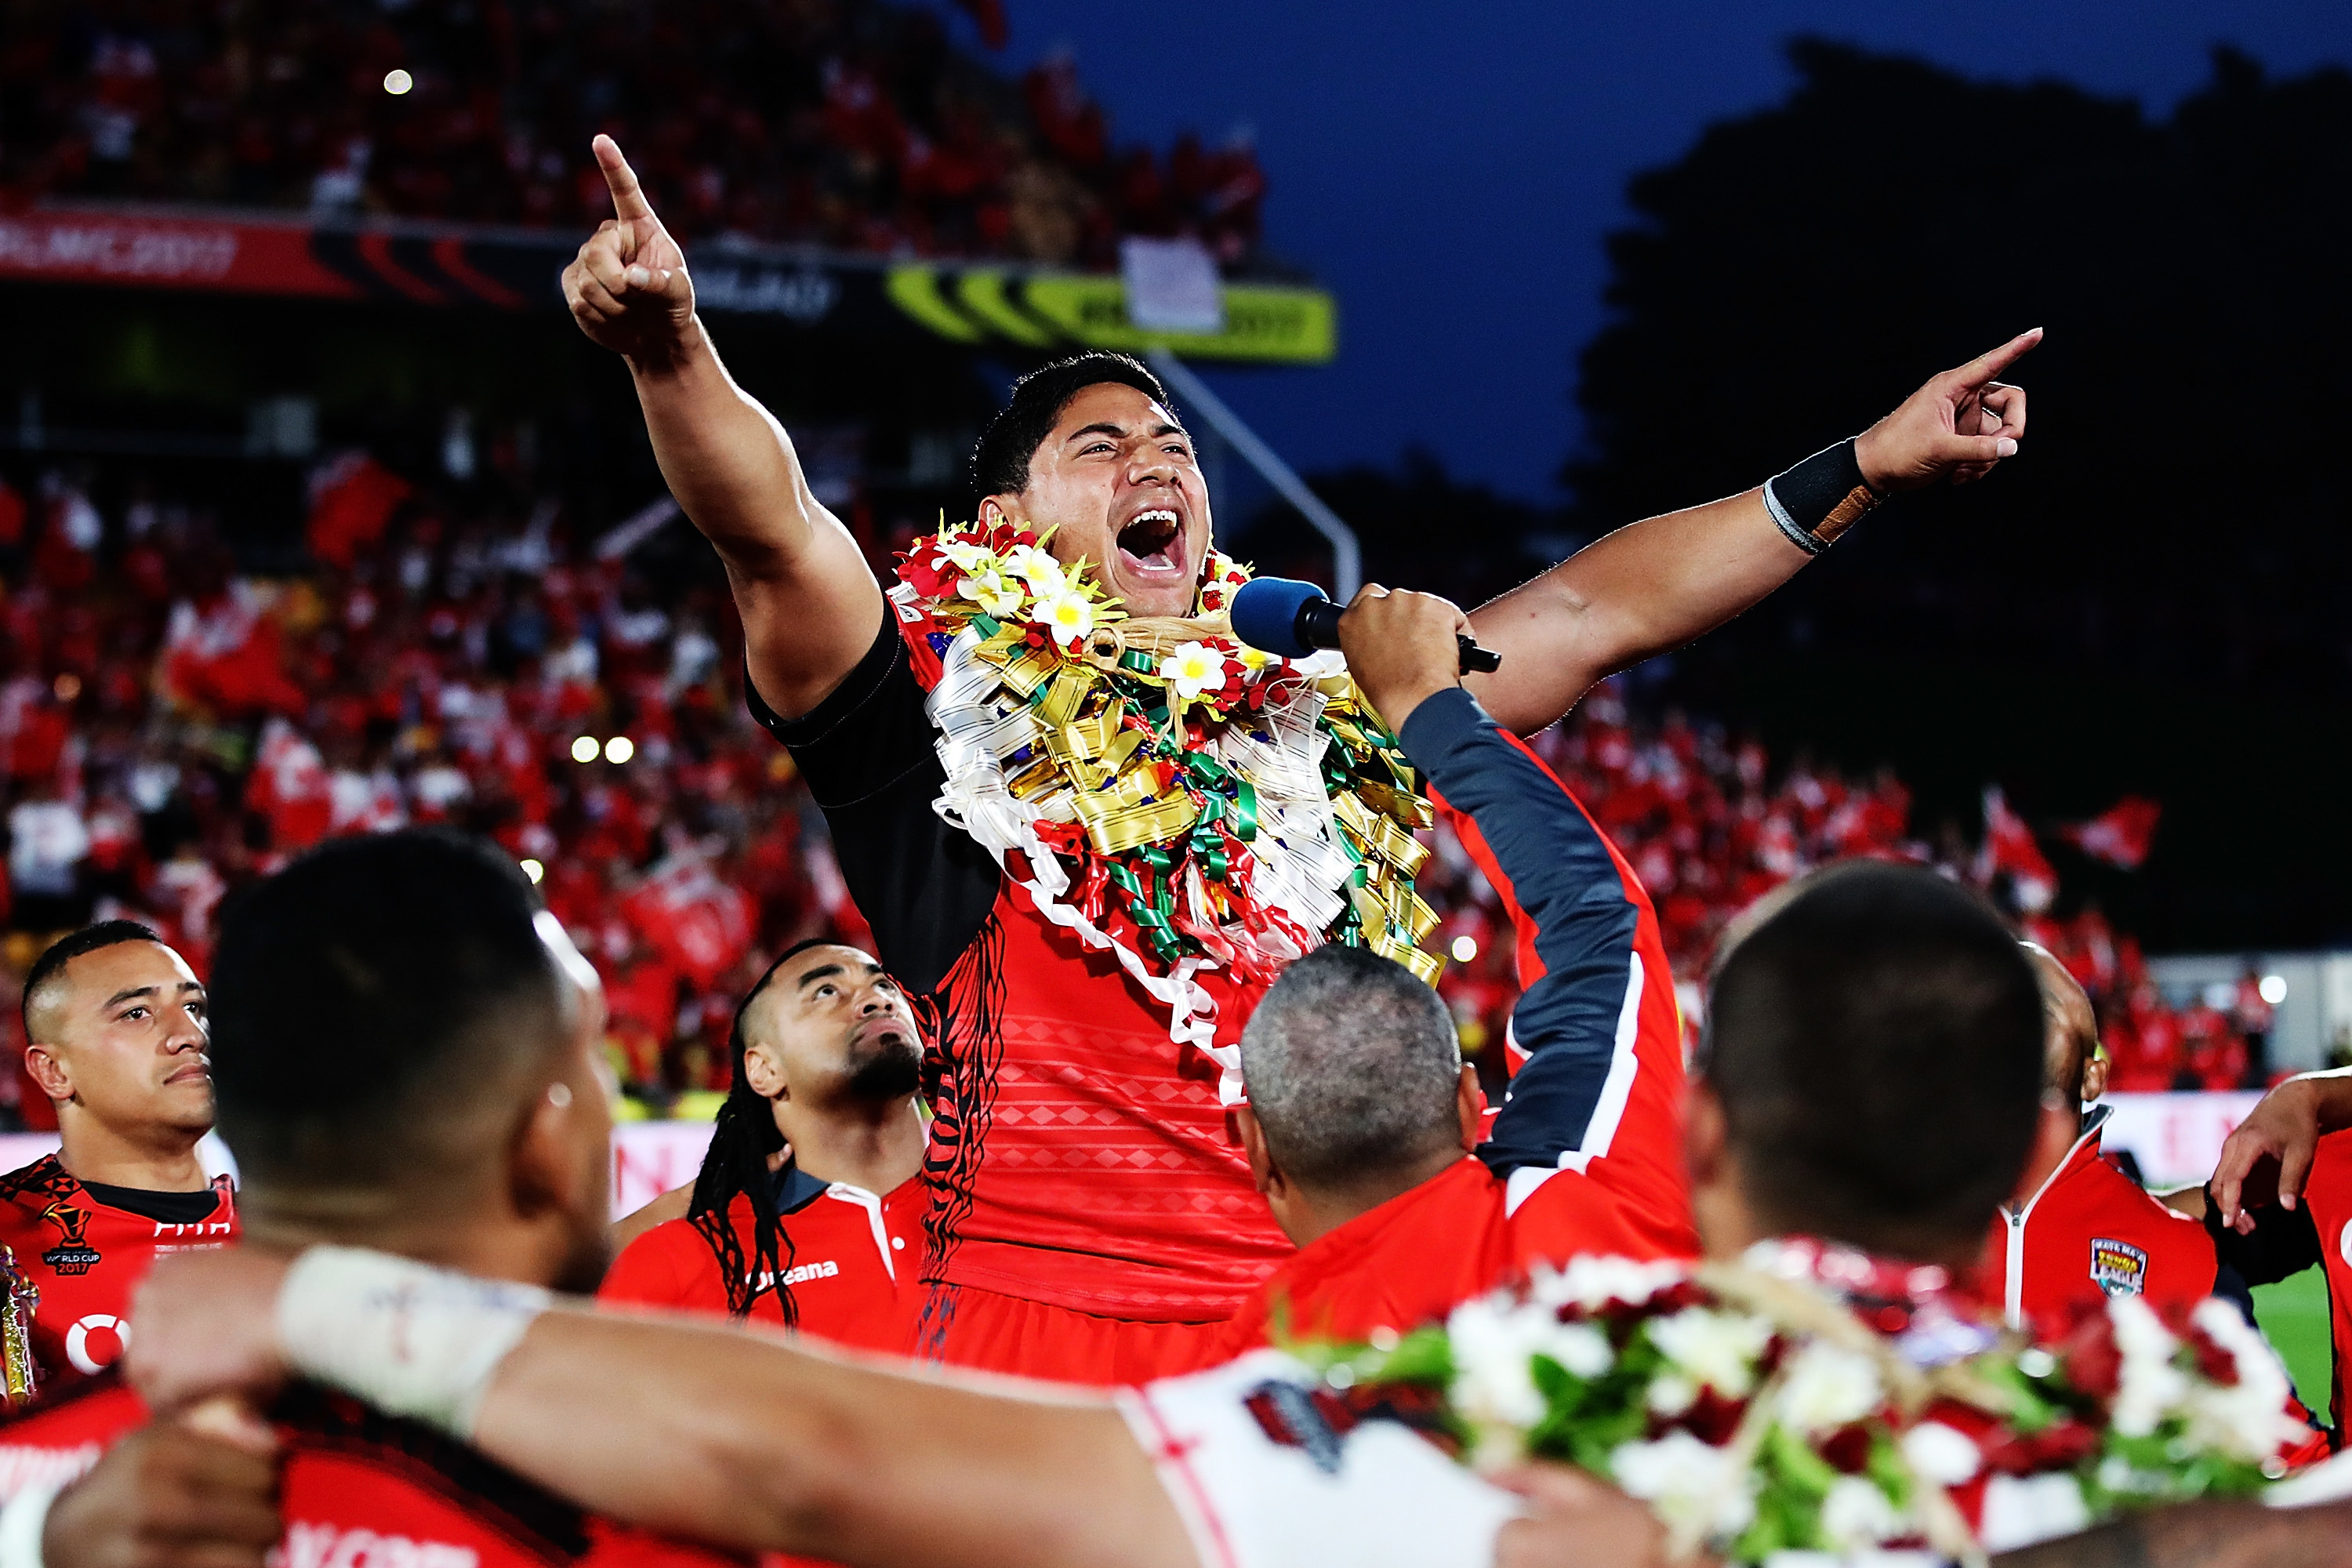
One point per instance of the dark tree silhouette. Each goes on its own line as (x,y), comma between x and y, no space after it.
(2153,595)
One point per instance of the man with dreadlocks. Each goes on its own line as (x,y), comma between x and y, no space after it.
(1090,828)
(827,1059)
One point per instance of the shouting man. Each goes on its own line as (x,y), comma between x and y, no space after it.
(1089,826)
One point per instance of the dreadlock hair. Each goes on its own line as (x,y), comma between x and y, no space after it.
(743,1139)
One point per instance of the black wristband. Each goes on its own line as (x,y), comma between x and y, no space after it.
(1820,497)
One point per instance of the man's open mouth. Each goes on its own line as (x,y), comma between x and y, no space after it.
(1153,543)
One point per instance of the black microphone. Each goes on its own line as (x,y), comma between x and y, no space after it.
(1285,617)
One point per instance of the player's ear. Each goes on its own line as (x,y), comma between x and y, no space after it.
(1706,1136)
(553,1163)
(764,1070)
(2095,1075)
(46,1069)
(1263,1169)
(1470,1105)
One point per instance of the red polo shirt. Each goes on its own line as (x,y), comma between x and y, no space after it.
(848,1263)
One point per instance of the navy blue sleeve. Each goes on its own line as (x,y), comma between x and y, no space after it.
(1575,1018)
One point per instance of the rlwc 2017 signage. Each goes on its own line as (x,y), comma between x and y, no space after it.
(1004,305)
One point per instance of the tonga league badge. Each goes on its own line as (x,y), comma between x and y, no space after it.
(2118,1267)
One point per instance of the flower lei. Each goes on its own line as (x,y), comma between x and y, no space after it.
(1811,1398)
(1179,798)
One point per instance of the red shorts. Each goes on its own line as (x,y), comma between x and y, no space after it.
(962,1326)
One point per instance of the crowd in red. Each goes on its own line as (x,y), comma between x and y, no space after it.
(854,124)
(169,728)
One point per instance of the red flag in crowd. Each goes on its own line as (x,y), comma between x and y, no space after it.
(2009,847)
(2119,835)
(692,917)
(352,499)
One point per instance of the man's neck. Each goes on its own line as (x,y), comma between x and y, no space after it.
(152,1160)
(877,1147)
(1325,1212)
(476,1240)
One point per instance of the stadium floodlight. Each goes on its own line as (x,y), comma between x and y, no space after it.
(534,870)
(1466,948)
(620,749)
(397,82)
(584,749)
(2273,989)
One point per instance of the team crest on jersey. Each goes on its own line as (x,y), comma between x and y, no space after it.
(73,1254)
(2118,1267)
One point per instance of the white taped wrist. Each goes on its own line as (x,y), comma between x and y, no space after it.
(409,1340)
(23,1523)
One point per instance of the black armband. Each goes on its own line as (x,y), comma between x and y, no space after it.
(1820,497)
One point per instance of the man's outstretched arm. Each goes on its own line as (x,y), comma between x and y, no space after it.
(808,602)
(1656,585)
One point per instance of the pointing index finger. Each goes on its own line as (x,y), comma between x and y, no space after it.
(1978,371)
(628,197)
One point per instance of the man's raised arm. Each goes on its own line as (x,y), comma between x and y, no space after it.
(1656,585)
(810,606)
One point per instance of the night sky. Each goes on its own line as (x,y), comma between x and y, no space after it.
(1449,169)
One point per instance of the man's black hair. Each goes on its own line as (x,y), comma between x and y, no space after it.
(1000,464)
(367,995)
(49,968)
(1876,1044)
(742,1138)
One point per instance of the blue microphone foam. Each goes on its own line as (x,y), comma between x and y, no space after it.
(1265,614)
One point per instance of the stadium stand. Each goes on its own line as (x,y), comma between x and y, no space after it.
(858,125)
(171,727)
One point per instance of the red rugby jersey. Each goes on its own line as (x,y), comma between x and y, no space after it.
(87,1257)
(2087,1233)
(360,1489)
(1584,1155)
(1079,1156)
(849,1263)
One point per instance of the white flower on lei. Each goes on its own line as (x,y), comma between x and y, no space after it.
(968,557)
(1036,567)
(1591,1283)
(1687,1483)
(1192,668)
(2248,1419)
(2151,1387)
(1493,1387)
(992,592)
(1827,1387)
(1942,1454)
(1067,618)
(1713,1347)
(1855,1514)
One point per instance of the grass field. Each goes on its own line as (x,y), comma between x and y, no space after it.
(2293,1313)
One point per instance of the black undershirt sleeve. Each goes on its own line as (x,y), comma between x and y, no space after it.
(2285,1242)
(867,752)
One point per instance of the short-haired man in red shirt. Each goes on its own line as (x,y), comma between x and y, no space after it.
(827,1062)
(408,1057)
(118,1037)
(2081,1229)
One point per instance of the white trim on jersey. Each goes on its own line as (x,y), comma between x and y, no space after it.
(1616,1089)
(1377,1496)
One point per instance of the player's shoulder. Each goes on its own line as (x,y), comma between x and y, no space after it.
(31,1188)
(659,1268)
(413,1475)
